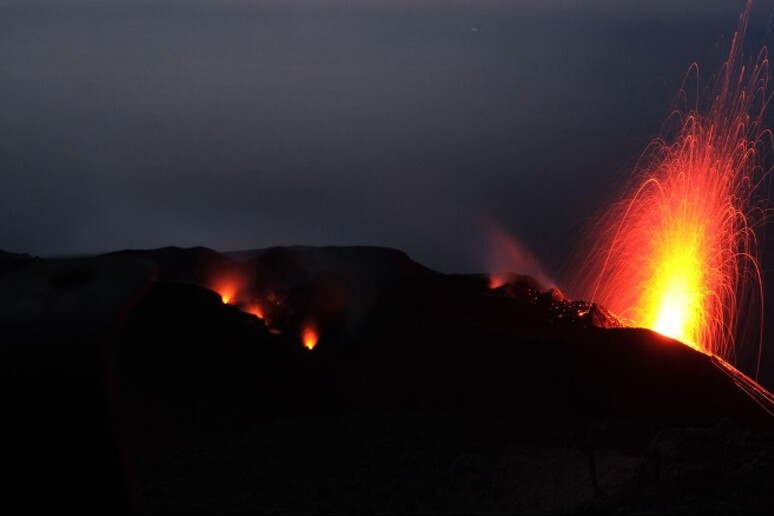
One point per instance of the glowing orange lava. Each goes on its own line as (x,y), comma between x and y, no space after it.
(309,337)
(678,253)
(228,290)
(255,309)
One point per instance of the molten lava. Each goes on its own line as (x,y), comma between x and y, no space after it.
(255,309)
(309,337)
(228,290)
(678,253)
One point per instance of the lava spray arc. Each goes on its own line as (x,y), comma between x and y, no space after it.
(679,253)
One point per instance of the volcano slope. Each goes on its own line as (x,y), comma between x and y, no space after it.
(424,392)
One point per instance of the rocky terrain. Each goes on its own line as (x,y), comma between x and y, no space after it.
(178,380)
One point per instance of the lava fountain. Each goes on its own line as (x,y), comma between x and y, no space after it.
(678,253)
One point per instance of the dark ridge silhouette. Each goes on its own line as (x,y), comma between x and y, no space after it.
(198,406)
(7,255)
(10,261)
(196,265)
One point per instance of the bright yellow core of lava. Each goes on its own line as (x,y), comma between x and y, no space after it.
(673,299)
(309,337)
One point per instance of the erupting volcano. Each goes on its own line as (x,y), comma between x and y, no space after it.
(678,254)
(248,375)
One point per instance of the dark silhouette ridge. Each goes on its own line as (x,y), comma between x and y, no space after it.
(186,380)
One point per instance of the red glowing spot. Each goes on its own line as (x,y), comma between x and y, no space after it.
(497,280)
(678,253)
(309,337)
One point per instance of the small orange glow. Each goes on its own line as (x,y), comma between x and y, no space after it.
(227,291)
(255,309)
(228,285)
(309,337)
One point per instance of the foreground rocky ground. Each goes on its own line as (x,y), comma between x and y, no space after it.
(135,386)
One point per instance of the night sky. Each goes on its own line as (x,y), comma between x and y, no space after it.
(236,124)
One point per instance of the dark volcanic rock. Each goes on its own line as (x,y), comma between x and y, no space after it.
(59,436)
(367,266)
(424,393)
(195,265)
(412,337)
(10,261)
(7,255)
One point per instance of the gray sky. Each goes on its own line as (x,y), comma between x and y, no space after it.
(236,124)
